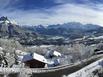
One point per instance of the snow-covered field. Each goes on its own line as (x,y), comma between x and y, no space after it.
(91,70)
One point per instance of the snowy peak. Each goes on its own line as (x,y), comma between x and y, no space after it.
(4,20)
(8,29)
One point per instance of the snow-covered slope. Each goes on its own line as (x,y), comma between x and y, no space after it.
(89,70)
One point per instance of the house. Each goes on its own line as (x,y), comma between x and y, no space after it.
(51,54)
(34,60)
(57,54)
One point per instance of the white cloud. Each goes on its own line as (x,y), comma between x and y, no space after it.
(74,1)
(78,13)
(59,14)
(6,3)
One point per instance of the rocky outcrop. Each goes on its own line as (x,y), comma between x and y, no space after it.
(9,29)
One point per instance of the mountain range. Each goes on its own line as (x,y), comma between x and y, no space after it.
(72,30)
(33,35)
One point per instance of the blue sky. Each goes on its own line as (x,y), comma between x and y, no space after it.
(46,12)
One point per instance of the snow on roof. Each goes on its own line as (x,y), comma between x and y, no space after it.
(36,57)
(20,52)
(20,58)
(45,46)
(39,58)
(56,53)
(1,48)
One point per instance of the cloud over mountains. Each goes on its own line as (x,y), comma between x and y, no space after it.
(35,12)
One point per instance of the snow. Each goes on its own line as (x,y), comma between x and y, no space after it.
(42,46)
(7,22)
(20,52)
(46,46)
(36,57)
(39,58)
(1,21)
(99,37)
(87,71)
(20,58)
(14,22)
(56,53)
(1,48)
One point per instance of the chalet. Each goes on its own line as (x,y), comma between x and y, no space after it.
(51,54)
(34,60)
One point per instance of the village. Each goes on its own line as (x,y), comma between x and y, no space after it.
(47,59)
(33,60)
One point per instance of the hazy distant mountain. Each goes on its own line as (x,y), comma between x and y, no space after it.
(71,30)
(75,25)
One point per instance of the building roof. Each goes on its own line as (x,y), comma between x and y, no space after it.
(35,56)
(57,54)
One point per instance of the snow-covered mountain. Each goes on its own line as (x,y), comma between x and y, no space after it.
(9,29)
(71,29)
